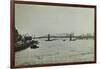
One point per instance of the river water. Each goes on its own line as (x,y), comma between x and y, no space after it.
(56,51)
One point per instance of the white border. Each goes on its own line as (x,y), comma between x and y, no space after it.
(5,34)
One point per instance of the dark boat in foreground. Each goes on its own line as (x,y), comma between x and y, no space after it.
(34,46)
(22,46)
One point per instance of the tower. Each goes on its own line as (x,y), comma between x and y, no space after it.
(48,37)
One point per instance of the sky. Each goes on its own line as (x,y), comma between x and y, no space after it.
(42,19)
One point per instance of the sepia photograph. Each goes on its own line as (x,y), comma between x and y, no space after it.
(47,33)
